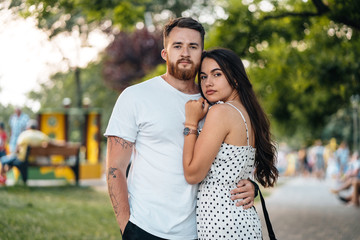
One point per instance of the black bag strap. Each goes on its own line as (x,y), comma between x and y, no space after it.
(267,219)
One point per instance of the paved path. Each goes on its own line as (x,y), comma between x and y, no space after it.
(304,208)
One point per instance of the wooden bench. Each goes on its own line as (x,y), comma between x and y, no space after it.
(67,151)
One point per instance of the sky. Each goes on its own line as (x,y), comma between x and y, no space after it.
(27,57)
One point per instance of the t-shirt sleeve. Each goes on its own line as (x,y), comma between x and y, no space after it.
(122,122)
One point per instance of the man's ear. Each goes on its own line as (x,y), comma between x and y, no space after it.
(163,54)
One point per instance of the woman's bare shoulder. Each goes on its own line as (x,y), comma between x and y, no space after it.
(219,112)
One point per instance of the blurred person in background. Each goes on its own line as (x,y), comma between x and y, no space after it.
(17,123)
(302,162)
(332,166)
(342,156)
(350,180)
(319,166)
(311,158)
(31,136)
(3,139)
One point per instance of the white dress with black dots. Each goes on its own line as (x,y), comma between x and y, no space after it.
(217,215)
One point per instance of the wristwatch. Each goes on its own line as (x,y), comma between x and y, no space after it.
(188,131)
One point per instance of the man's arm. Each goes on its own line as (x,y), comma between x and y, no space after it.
(246,191)
(117,159)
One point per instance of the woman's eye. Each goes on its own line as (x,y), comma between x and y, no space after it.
(217,74)
(202,77)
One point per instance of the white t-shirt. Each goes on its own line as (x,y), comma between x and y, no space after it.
(152,115)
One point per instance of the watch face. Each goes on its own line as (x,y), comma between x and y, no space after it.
(186,131)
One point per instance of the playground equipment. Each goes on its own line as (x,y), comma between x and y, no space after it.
(81,125)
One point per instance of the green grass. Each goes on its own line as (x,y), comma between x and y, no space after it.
(64,212)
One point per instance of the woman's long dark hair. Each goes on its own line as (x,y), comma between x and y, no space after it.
(231,65)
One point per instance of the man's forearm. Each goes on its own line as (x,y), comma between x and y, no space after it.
(117,187)
(118,157)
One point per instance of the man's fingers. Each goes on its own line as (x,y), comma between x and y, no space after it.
(241,189)
(241,195)
(245,203)
(242,182)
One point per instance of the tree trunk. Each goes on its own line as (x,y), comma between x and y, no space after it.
(78,88)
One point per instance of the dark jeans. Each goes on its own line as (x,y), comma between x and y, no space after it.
(2,153)
(133,232)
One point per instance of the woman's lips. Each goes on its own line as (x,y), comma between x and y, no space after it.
(210,92)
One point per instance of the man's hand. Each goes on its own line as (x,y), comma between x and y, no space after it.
(246,191)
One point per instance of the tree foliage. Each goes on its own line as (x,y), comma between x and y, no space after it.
(51,93)
(130,56)
(59,16)
(302,55)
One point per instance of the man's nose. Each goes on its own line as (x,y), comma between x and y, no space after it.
(185,51)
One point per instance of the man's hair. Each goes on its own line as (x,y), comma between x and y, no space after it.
(183,22)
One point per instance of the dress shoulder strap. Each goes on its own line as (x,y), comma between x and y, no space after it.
(247,131)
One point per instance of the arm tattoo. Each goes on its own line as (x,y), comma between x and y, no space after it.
(114,200)
(112,172)
(119,141)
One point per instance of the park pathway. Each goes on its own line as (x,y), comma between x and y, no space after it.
(304,208)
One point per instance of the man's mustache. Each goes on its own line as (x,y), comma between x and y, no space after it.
(184,60)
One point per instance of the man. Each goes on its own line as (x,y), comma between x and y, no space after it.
(31,137)
(17,123)
(147,126)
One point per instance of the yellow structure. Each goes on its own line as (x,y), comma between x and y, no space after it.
(92,167)
(53,124)
(61,125)
(92,137)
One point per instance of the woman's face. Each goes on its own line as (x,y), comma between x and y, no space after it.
(213,83)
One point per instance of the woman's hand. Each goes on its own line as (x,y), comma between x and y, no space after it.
(195,110)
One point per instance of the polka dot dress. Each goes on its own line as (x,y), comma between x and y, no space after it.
(217,215)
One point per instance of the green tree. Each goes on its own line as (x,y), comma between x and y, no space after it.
(60,86)
(67,17)
(302,58)
(84,16)
(302,55)
(130,56)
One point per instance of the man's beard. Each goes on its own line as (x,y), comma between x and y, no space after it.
(182,74)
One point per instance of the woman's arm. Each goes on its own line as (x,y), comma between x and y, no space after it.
(200,151)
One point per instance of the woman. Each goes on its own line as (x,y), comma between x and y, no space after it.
(235,142)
